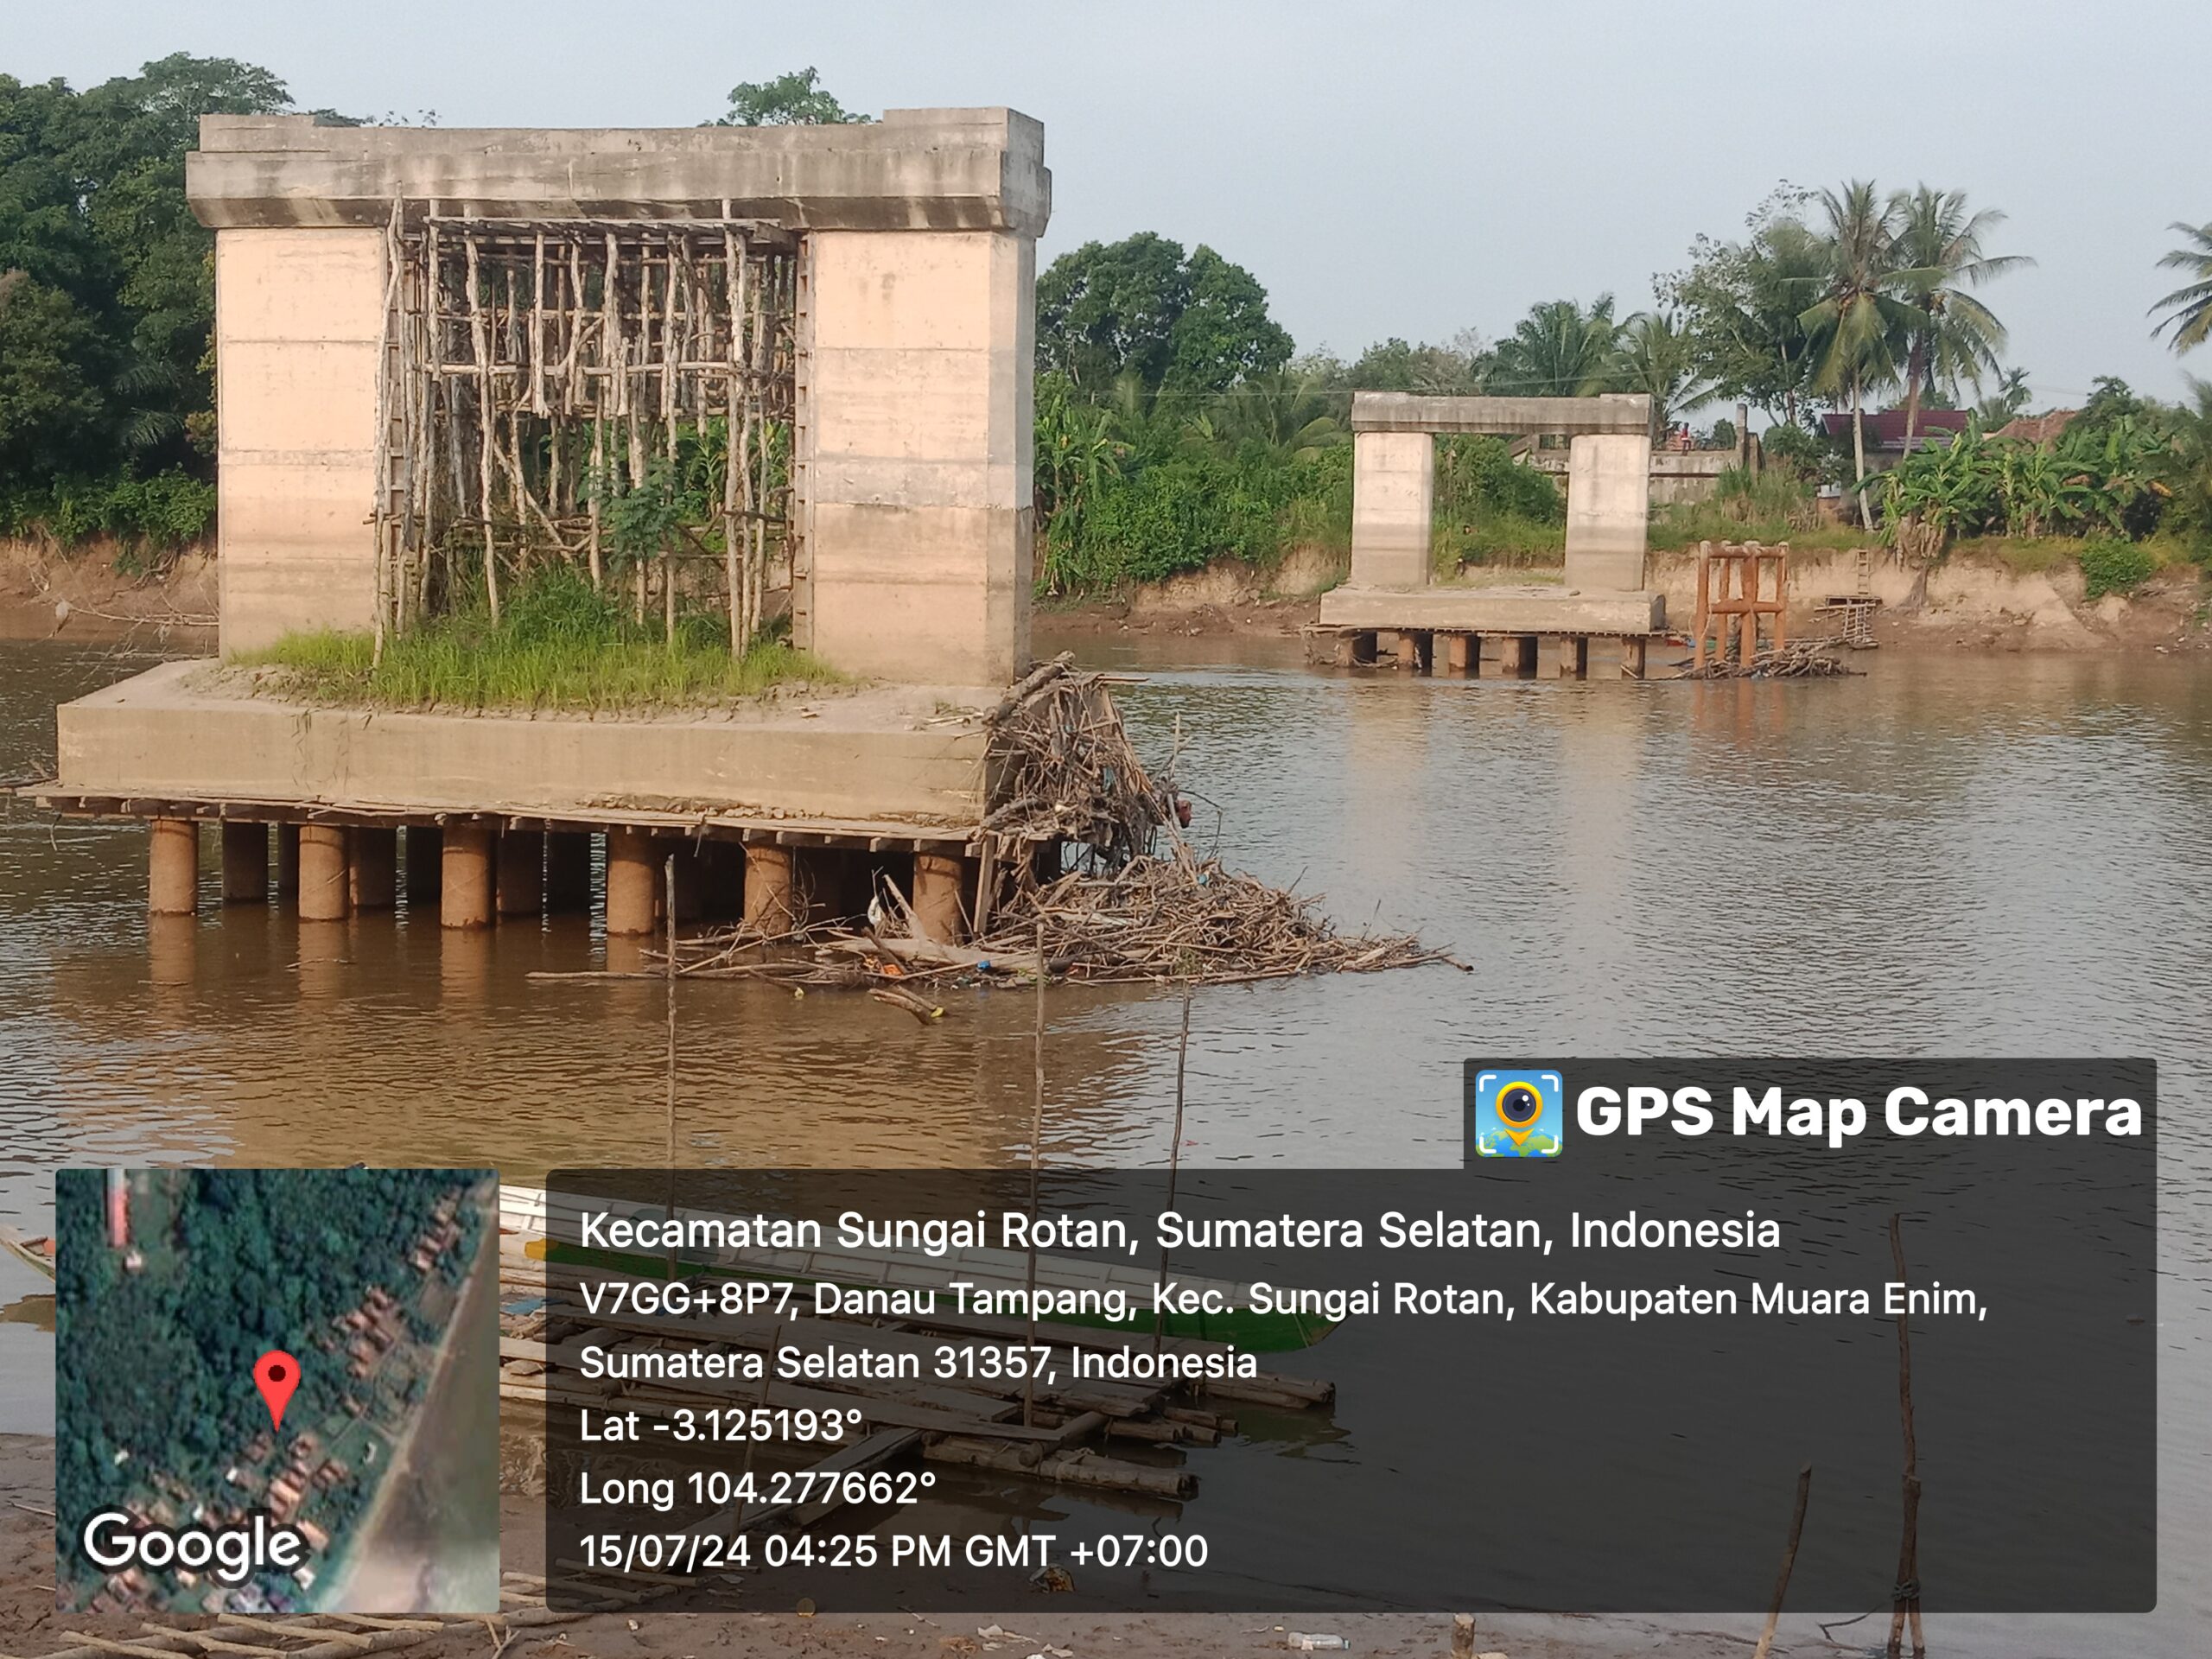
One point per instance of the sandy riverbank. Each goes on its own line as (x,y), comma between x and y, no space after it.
(82,597)
(418,1547)
(1968,603)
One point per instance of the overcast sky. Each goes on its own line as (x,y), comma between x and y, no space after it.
(1410,169)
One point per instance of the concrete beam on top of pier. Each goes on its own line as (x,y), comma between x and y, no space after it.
(946,169)
(1614,412)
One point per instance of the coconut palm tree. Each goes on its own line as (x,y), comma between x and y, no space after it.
(1860,322)
(2008,403)
(2190,308)
(1659,358)
(1558,350)
(1938,247)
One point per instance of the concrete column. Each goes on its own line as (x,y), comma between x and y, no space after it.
(173,866)
(324,886)
(916,451)
(299,313)
(1458,659)
(771,897)
(632,884)
(1562,657)
(522,872)
(1608,510)
(426,857)
(1632,655)
(1393,499)
(465,881)
(568,870)
(937,883)
(288,859)
(245,863)
(372,867)
(1510,656)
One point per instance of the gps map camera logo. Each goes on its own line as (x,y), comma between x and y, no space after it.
(1519,1114)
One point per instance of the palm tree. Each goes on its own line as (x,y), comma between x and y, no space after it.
(2191,307)
(1859,324)
(1954,337)
(1558,350)
(2008,403)
(1658,357)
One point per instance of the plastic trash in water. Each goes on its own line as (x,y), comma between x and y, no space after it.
(1306,1642)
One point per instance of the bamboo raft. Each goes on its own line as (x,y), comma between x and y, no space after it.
(977,1422)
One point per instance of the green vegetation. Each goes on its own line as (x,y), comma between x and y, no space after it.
(557,644)
(2111,566)
(106,295)
(154,1363)
(1176,422)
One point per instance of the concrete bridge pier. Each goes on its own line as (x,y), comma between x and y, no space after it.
(245,863)
(173,866)
(325,889)
(770,889)
(939,882)
(465,881)
(632,884)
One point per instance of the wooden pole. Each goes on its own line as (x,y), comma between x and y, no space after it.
(1036,1150)
(1174,1149)
(1789,1562)
(1905,1605)
(480,337)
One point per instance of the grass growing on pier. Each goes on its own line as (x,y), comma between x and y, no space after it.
(557,644)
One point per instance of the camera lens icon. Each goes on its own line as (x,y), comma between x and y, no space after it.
(1519,1104)
(1518,1115)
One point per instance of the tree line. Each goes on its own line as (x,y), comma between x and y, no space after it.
(1176,420)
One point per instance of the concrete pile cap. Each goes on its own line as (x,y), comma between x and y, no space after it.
(915,169)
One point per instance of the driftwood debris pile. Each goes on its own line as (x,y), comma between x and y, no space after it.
(1084,855)
(1799,660)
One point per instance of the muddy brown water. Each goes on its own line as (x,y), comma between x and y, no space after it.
(1953,854)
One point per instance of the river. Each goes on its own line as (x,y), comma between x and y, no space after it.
(1953,854)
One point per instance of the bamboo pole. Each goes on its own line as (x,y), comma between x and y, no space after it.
(1905,1604)
(735,443)
(1174,1152)
(1036,1158)
(480,337)
(1789,1563)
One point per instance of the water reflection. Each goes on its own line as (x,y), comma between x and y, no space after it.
(1949,856)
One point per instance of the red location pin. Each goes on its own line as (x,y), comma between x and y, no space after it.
(276,1374)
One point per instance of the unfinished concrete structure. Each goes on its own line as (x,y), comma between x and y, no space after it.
(1544,630)
(435,346)
(900,358)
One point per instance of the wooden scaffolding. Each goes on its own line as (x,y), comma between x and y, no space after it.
(619,395)
(1734,590)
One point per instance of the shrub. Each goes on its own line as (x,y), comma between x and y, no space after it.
(2114,566)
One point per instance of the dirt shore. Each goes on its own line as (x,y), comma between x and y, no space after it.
(80,595)
(29,1626)
(1966,603)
